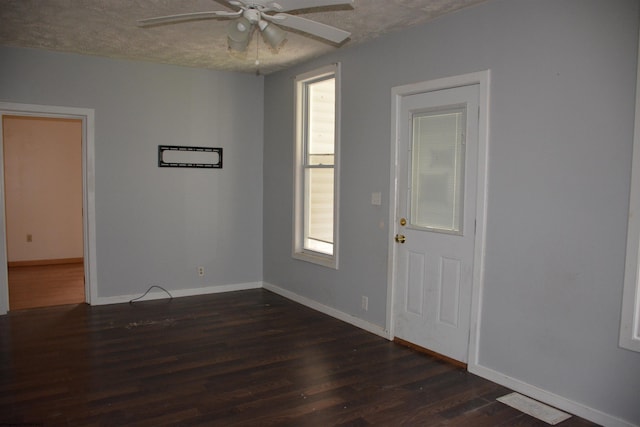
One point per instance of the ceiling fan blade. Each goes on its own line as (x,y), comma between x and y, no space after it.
(187,17)
(287,5)
(315,28)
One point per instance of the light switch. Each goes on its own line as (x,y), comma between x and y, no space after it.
(376,198)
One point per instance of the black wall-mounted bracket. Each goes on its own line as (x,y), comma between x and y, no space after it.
(178,156)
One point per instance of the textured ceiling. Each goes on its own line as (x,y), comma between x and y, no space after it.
(108,28)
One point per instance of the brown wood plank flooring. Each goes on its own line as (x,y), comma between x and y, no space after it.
(45,285)
(248,358)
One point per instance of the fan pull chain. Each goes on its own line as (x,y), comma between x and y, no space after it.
(257,54)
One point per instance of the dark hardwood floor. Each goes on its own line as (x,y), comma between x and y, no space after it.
(247,358)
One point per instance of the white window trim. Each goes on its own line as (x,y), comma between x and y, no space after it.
(298,227)
(630,321)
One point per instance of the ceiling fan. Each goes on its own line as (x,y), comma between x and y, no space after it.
(268,17)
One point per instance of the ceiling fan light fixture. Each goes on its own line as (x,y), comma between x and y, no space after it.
(273,35)
(259,13)
(239,34)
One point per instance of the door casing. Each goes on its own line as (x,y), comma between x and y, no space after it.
(483,79)
(86,115)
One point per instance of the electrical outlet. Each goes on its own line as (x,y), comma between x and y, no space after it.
(201,271)
(365,303)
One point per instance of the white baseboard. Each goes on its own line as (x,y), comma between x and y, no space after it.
(176,293)
(340,315)
(549,398)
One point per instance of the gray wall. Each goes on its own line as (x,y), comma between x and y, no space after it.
(155,226)
(563,78)
(561,120)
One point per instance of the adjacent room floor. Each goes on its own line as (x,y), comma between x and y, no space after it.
(45,285)
(242,358)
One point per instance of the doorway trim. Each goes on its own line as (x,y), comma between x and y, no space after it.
(483,79)
(86,115)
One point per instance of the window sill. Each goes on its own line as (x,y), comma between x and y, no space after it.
(317,258)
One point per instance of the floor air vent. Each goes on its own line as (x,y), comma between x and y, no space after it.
(534,408)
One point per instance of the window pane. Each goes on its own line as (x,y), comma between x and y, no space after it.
(321,160)
(437,170)
(319,209)
(321,125)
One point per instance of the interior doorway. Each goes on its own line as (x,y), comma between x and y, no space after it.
(87,264)
(43,210)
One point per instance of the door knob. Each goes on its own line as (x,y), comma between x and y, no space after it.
(400,238)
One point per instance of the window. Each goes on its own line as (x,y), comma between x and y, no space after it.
(438,149)
(630,321)
(317,166)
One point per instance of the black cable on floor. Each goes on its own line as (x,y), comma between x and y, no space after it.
(151,287)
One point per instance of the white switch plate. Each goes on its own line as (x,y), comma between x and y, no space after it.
(376,198)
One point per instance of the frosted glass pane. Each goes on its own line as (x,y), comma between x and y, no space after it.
(319,211)
(437,170)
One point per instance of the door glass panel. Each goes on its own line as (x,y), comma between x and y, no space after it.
(437,172)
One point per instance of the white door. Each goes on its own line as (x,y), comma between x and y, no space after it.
(435,219)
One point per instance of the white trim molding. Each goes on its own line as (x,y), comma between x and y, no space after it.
(549,398)
(87,115)
(177,293)
(630,318)
(337,314)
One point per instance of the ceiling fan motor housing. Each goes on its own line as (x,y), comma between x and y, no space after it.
(252,15)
